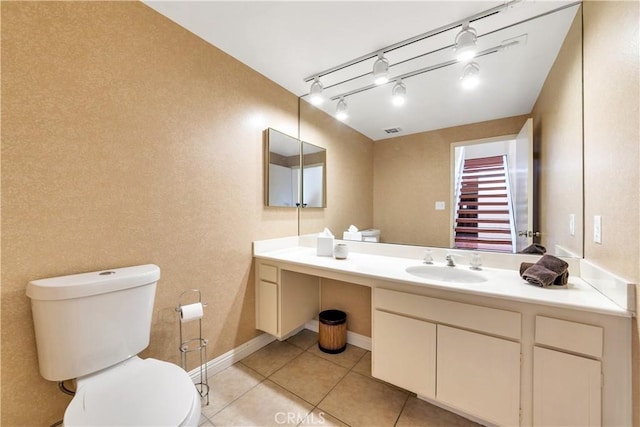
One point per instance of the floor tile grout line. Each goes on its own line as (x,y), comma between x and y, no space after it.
(286,363)
(317,406)
(401,410)
(247,391)
(268,377)
(313,407)
(326,394)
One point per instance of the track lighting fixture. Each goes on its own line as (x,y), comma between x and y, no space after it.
(381,70)
(465,48)
(399,93)
(341,110)
(465,44)
(470,75)
(315,94)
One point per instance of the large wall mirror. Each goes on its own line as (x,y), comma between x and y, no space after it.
(412,166)
(295,172)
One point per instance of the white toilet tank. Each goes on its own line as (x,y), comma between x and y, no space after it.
(88,322)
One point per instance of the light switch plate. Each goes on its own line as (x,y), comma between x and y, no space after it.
(597,229)
(572,224)
(440,206)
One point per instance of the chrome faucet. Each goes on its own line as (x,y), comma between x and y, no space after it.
(450,261)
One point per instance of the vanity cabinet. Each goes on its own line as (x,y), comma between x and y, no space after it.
(461,355)
(497,353)
(567,377)
(285,300)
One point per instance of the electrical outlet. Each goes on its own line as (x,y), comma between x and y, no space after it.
(439,206)
(597,229)
(572,224)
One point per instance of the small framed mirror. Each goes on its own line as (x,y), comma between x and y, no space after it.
(282,170)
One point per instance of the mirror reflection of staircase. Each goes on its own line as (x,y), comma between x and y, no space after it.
(484,214)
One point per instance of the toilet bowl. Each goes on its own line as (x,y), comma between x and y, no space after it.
(90,327)
(136,392)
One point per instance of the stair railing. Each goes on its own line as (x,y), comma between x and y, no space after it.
(512,217)
(458,185)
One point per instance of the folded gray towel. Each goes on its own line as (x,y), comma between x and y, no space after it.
(561,280)
(539,275)
(534,248)
(545,271)
(554,264)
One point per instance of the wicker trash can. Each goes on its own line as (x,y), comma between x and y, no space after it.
(332,331)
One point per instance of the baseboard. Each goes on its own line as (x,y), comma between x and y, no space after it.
(232,356)
(358,340)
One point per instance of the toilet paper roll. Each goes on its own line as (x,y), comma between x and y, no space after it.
(191,312)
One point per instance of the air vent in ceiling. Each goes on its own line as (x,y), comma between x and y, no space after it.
(393,130)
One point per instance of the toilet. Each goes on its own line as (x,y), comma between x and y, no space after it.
(90,327)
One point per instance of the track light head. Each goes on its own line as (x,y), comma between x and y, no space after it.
(470,75)
(381,70)
(399,93)
(466,43)
(315,94)
(341,110)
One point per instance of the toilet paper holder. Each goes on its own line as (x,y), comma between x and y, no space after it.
(194,344)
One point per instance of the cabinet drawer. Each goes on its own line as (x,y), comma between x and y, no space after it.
(483,319)
(570,336)
(268,273)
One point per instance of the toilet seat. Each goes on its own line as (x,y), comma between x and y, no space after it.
(136,392)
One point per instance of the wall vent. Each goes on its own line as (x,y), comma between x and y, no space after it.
(393,130)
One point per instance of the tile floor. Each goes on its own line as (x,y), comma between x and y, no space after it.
(293,383)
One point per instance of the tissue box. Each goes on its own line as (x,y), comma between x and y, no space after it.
(325,246)
(352,235)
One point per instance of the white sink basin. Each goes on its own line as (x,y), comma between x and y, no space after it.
(446,274)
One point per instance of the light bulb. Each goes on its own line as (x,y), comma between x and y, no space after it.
(341,110)
(315,94)
(465,44)
(399,93)
(381,70)
(470,75)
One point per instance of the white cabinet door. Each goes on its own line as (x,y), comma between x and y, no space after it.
(566,389)
(267,307)
(479,375)
(404,352)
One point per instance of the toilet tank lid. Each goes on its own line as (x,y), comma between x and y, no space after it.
(94,283)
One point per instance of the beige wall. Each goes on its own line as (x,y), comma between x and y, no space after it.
(128,140)
(612,144)
(557,121)
(412,172)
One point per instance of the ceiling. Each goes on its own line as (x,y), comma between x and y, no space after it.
(288,41)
